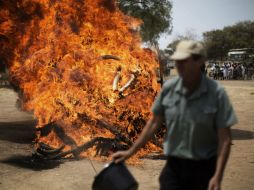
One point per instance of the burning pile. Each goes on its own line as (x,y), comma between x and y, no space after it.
(80,68)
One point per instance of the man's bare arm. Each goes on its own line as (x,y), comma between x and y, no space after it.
(224,135)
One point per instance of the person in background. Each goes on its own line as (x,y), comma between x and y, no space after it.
(225,71)
(198,116)
(243,68)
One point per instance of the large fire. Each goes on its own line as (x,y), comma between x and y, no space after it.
(80,68)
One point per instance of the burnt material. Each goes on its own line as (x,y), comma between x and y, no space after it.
(113,129)
(46,129)
(103,147)
(103,124)
(110,57)
(46,150)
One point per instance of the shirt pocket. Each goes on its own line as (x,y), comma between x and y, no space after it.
(206,115)
(170,110)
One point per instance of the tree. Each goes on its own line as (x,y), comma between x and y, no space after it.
(190,34)
(219,42)
(215,43)
(156,16)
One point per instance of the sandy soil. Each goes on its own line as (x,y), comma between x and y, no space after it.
(19,171)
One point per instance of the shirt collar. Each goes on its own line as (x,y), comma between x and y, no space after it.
(179,86)
(197,93)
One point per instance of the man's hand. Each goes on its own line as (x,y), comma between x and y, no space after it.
(121,156)
(214,184)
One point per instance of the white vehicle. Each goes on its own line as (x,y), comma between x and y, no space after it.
(241,55)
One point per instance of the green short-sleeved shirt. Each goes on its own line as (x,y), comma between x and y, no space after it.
(192,121)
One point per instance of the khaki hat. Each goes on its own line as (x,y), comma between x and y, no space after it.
(186,48)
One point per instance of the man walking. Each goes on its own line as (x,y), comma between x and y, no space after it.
(198,116)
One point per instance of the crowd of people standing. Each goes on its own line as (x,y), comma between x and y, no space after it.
(232,71)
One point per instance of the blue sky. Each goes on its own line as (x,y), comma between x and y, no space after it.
(205,15)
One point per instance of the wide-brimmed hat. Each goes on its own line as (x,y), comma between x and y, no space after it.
(187,48)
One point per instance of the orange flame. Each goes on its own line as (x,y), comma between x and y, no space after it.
(58,58)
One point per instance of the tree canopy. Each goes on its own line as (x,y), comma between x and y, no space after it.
(189,34)
(219,42)
(156,16)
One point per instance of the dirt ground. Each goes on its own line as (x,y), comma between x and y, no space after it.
(20,172)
